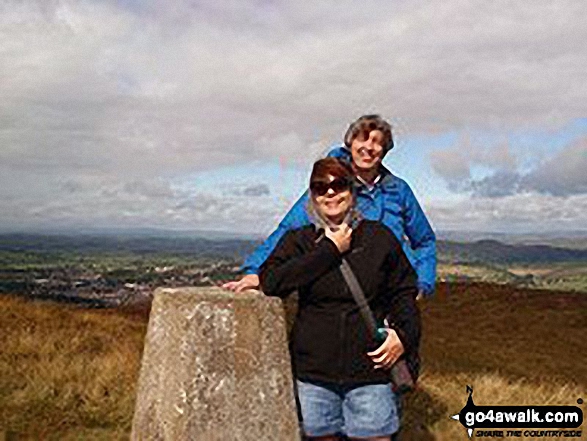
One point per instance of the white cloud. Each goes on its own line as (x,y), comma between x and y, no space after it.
(562,174)
(127,90)
(455,164)
(521,213)
(254,190)
(134,203)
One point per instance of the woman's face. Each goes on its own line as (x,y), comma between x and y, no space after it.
(332,198)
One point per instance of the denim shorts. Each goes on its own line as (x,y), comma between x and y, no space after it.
(357,412)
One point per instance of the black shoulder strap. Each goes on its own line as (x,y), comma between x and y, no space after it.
(401,376)
(359,296)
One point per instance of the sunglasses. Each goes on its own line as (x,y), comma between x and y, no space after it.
(338,185)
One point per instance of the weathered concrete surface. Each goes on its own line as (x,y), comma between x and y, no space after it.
(215,367)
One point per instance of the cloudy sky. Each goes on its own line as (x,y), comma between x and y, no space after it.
(207,115)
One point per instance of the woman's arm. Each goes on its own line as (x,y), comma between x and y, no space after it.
(290,267)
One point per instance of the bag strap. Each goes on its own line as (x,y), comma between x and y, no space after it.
(359,296)
(401,377)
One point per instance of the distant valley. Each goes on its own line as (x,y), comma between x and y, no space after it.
(109,270)
(488,251)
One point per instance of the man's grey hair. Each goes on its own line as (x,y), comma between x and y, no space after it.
(366,124)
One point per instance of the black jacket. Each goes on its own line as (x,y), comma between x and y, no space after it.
(330,339)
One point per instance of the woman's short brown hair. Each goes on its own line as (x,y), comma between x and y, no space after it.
(365,125)
(331,167)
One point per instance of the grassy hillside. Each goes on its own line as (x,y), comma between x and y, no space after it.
(565,276)
(514,346)
(492,251)
(67,373)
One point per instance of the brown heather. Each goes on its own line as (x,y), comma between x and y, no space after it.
(68,373)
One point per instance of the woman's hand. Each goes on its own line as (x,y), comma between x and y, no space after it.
(387,354)
(341,237)
(250,281)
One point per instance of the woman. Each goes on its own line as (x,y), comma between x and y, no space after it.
(344,389)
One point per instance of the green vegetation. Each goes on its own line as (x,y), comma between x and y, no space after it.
(565,276)
(43,260)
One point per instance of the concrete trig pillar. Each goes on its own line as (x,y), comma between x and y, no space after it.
(215,367)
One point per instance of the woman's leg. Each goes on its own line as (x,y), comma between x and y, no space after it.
(371,413)
(321,411)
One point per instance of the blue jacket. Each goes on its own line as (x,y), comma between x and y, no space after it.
(391,202)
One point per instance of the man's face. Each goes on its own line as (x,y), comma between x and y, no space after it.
(367,150)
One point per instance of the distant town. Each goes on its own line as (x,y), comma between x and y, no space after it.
(109,271)
(109,287)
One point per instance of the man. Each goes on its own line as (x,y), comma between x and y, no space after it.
(381,196)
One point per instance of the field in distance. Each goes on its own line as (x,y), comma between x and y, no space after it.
(69,373)
(110,270)
(565,276)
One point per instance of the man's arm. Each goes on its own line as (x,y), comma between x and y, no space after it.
(422,241)
(340,152)
(296,217)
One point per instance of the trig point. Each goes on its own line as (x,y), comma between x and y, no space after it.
(215,367)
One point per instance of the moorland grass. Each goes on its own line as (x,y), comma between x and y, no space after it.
(68,373)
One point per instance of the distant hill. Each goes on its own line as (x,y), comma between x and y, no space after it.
(564,239)
(493,251)
(482,251)
(136,244)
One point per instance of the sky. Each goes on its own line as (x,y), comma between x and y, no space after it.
(206,115)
